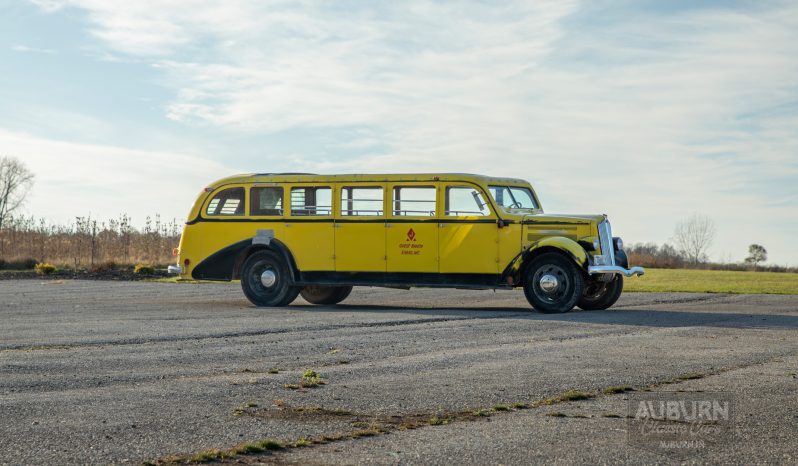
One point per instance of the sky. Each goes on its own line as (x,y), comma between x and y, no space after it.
(648,111)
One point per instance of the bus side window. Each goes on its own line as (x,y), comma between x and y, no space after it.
(464,201)
(410,201)
(266,201)
(356,201)
(228,202)
(311,200)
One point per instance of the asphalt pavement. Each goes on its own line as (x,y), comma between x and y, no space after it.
(98,372)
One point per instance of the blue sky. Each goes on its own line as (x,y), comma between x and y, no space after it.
(646,111)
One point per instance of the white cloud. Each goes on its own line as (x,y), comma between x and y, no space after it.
(649,116)
(104,181)
(27,49)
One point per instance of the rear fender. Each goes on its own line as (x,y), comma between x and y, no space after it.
(226,263)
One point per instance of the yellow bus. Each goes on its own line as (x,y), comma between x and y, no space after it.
(286,234)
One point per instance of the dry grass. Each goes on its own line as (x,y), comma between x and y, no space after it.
(87,243)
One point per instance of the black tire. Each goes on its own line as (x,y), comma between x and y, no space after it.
(281,293)
(325,294)
(568,283)
(600,295)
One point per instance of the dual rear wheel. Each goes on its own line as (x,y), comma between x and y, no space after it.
(266,281)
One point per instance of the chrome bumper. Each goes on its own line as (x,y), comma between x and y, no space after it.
(605,263)
(615,269)
(174,270)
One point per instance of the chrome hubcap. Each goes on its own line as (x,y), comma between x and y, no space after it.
(549,283)
(268,278)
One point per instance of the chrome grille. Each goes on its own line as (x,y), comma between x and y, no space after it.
(607,256)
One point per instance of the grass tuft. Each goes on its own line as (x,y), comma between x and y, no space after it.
(501,408)
(247,449)
(365,433)
(270,445)
(572,395)
(303,442)
(618,389)
(142,269)
(207,456)
(310,379)
(44,268)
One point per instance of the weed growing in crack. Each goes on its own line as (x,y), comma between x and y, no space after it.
(618,389)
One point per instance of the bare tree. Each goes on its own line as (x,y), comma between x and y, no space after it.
(756,254)
(15,182)
(694,237)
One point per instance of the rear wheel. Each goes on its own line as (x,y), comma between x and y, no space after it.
(266,280)
(600,295)
(553,283)
(325,294)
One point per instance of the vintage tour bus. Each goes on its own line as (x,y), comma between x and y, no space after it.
(286,234)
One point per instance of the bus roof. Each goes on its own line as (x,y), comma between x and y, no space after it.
(381,177)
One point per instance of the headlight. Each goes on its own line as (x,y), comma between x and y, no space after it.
(618,242)
(596,244)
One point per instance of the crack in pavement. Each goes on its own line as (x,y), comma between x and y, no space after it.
(381,424)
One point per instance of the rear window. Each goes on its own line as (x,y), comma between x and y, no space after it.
(266,201)
(228,202)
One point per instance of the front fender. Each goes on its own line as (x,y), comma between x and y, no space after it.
(565,245)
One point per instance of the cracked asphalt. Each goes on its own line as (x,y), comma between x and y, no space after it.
(96,372)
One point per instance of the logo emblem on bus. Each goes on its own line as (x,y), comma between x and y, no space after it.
(411,235)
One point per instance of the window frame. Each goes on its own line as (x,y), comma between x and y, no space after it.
(290,210)
(252,200)
(219,191)
(491,214)
(339,206)
(509,188)
(391,201)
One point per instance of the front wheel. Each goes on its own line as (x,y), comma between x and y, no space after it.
(553,283)
(325,294)
(266,280)
(600,295)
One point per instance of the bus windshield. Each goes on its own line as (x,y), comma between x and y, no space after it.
(513,197)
